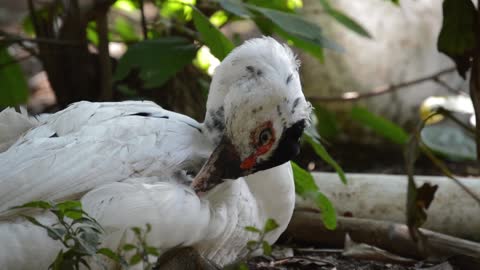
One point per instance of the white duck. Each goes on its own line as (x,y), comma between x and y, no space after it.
(127,162)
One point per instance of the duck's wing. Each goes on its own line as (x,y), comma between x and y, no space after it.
(177,216)
(90,144)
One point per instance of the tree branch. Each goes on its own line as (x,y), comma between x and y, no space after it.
(475,84)
(106,90)
(10,38)
(144,21)
(354,96)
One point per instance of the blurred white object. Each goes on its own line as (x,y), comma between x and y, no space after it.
(403,48)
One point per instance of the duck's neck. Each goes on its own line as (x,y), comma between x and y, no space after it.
(274,190)
(214,122)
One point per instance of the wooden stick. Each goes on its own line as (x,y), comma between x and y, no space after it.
(307,227)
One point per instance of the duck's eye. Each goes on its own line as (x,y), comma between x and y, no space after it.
(265,136)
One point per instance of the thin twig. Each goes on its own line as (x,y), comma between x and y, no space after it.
(442,167)
(144,21)
(7,37)
(441,82)
(353,96)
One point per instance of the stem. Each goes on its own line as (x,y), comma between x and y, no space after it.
(106,91)
(144,21)
(353,96)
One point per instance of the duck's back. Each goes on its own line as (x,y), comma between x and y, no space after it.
(90,144)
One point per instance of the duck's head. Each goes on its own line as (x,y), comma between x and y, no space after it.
(256,112)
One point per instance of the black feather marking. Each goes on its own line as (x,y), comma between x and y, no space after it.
(216,120)
(289,78)
(54,135)
(146,114)
(197,128)
(254,71)
(295,104)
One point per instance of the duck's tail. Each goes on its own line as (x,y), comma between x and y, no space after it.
(13,125)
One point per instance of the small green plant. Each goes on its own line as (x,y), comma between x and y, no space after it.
(78,232)
(254,245)
(141,249)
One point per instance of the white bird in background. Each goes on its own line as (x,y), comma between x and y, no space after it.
(130,163)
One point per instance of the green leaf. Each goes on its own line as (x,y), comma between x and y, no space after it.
(92,34)
(345,20)
(125,30)
(303,180)
(57,264)
(35,204)
(71,209)
(267,248)
(325,122)
(322,153)
(137,231)
(281,5)
(329,215)
(152,251)
(305,186)
(380,125)
(236,8)
(156,60)
(252,229)
(220,46)
(148,227)
(88,223)
(457,36)
(309,46)
(296,26)
(13,85)
(56,233)
(348,22)
(128,247)
(110,254)
(252,244)
(243,266)
(135,259)
(270,225)
(88,240)
(449,141)
(180,10)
